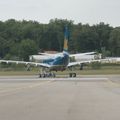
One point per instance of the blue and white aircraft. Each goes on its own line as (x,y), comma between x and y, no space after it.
(59,62)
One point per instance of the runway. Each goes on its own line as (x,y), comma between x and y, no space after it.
(36,78)
(88,97)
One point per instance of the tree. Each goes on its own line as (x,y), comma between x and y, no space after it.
(86,39)
(27,47)
(4,47)
(115,42)
(103,30)
(83,37)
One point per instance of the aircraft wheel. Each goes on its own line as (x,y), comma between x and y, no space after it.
(70,74)
(40,75)
(47,75)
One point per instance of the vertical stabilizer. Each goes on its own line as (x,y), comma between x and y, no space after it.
(65,48)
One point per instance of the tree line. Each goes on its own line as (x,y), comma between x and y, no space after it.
(19,39)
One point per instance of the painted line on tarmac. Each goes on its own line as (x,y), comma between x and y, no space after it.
(53,79)
(69,79)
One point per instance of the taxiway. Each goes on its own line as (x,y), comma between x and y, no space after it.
(93,97)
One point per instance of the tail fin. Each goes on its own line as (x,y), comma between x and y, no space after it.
(65,48)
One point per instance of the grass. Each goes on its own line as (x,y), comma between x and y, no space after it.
(81,72)
(11,73)
(105,69)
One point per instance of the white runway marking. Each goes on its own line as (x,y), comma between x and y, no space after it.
(68,79)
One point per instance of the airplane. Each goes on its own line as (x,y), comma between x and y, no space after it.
(59,62)
(76,57)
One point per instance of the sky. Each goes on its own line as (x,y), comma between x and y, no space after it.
(80,11)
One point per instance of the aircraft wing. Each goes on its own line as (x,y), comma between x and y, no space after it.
(89,61)
(46,54)
(80,54)
(26,63)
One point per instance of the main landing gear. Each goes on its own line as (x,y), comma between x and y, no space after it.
(72,74)
(44,75)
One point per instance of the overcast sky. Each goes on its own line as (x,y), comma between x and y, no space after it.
(85,11)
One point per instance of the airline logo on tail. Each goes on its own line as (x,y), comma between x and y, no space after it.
(66,40)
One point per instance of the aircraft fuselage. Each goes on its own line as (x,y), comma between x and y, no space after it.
(59,63)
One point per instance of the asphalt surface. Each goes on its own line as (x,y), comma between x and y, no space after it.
(85,98)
